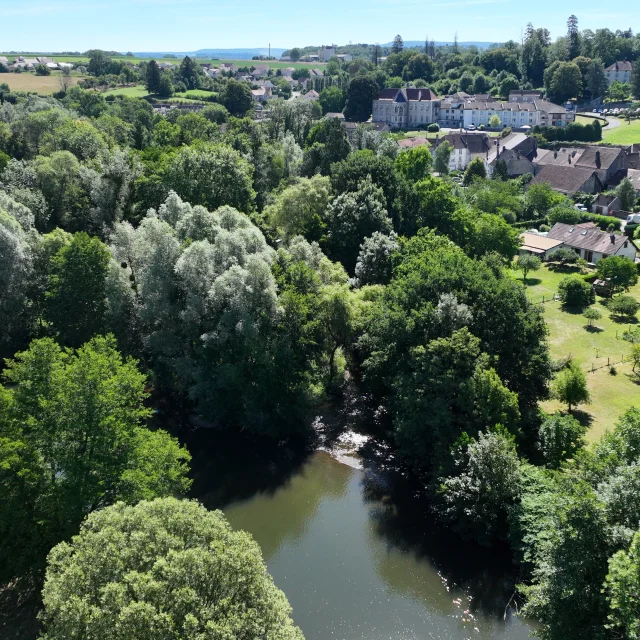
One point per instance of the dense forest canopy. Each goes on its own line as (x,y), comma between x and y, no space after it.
(242,270)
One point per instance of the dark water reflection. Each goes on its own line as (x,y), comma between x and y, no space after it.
(352,548)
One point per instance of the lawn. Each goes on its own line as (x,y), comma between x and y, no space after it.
(195,94)
(32,82)
(611,394)
(624,134)
(139,91)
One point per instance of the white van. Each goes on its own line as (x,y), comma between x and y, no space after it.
(634,218)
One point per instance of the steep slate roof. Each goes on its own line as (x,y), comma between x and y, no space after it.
(598,157)
(404,95)
(565,179)
(518,142)
(567,156)
(590,239)
(620,66)
(634,176)
(474,142)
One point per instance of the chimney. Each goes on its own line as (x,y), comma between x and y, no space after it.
(598,159)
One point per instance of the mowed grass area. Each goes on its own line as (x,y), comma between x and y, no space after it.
(195,94)
(31,82)
(611,395)
(624,134)
(139,91)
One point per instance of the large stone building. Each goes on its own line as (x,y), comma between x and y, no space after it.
(403,108)
(619,72)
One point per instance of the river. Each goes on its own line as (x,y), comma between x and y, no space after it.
(357,555)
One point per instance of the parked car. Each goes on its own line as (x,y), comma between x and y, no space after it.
(633,218)
(471,127)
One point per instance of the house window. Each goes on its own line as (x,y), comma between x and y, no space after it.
(588,255)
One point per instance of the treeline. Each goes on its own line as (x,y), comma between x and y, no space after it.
(241,270)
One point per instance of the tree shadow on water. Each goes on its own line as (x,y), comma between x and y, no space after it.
(404,520)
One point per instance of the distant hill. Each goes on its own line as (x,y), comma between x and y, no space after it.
(420,43)
(232,54)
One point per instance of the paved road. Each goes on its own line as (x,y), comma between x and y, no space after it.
(613,123)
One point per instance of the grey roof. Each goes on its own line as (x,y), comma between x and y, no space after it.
(591,239)
(474,142)
(624,65)
(565,179)
(564,156)
(599,157)
(634,176)
(486,105)
(525,92)
(518,142)
(404,95)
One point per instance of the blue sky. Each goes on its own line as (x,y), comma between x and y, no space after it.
(188,25)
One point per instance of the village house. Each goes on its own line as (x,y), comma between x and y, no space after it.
(605,161)
(466,147)
(568,180)
(344,57)
(605,205)
(404,107)
(619,72)
(517,151)
(261,94)
(310,96)
(592,244)
(525,95)
(326,53)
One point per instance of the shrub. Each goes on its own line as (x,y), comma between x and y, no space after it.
(592,314)
(564,256)
(433,128)
(575,292)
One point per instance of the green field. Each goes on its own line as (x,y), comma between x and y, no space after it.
(31,82)
(611,395)
(139,91)
(215,62)
(195,94)
(624,134)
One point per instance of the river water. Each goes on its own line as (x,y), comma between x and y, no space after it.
(357,555)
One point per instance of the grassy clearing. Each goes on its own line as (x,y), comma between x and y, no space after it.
(624,134)
(31,82)
(139,91)
(611,395)
(195,94)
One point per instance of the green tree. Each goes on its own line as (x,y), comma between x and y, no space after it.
(351,218)
(527,262)
(623,591)
(619,91)
(332,100)
(414,163)
(494,121)
(173,569)
(326,144)
(397,45)
(211,175)
(295,54)
(619,272)
(627,194)
(419,66)
(595,80)
(441,157)
(478,497)
(165,86)
(361,93)
(76,299)
(153,77)
(42,70)
(592,314)
(71,442)
(188,73)
(236,98)
(562,81)
(475,171)
(624,306)
(500,171)
(573,291)
(560,437)
(635,80)
(375,260)
(491,234)
(570,387)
